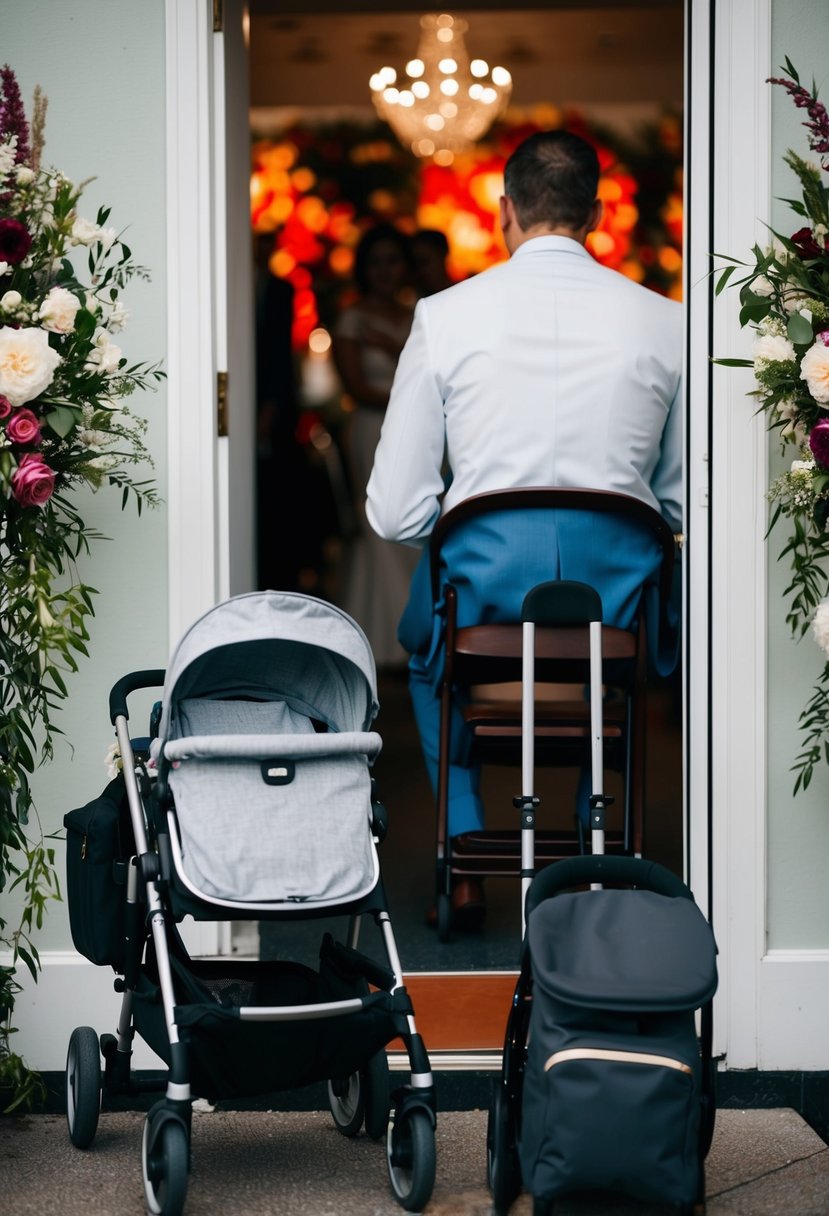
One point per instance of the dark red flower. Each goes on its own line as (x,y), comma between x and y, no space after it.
(15,241)
(12,114)
(805,243)
(819,441)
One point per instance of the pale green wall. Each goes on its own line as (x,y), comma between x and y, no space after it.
(798,890)
(101,64)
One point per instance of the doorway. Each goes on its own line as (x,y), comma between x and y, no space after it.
(591,68)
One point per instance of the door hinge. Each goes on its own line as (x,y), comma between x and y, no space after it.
(218,16)
(221,404)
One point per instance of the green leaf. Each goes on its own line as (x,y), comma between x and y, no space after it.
(757,310)
(723,279)
(61,420)
(799,330)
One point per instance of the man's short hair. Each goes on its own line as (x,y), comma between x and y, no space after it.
(552,179)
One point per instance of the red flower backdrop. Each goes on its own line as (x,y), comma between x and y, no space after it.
(317,189)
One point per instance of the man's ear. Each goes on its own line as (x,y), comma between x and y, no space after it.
(596,212)
(504,210)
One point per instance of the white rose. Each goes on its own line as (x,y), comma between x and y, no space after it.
(117,316)
(24,176)
(105,355)
(814,369)
(773,348)
(762,286)
(27,363)
(820,625)
(10,301)
(84,232)
(802,466)
(57,312)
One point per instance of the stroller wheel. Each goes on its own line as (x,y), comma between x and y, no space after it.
(410,1154)
(503,1168)
(375,1080)
(83,1086)
(347,1099)
(164,1168)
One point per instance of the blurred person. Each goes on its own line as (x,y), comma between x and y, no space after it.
(430,252)
(368,339)
(546,370)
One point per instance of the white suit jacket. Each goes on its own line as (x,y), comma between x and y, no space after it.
(547,370)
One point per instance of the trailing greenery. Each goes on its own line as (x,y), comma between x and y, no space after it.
(784,296)
(63,425)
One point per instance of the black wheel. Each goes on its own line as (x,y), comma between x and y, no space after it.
(83,1086)
(503,1167)
(346,1097)
(444,917)
(165,1168)
(410,1154)
(375,1079)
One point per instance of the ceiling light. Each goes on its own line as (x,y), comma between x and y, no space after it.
(441,69)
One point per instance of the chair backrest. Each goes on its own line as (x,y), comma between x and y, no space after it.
(562,499)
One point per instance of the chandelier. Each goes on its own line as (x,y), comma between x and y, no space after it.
(441,103)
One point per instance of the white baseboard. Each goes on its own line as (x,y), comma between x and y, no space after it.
(70,992)
(793,1004)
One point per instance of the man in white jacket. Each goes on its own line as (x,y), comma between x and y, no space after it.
(547,370)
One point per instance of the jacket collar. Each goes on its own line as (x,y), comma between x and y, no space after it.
(551,244)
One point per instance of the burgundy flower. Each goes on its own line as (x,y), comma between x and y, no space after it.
(818,123)
(23,427)
(33,482)
(819,441)
(5,406)
(15,241)
(805,243)
(13,115)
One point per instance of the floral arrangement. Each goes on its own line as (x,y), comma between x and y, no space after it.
(785,299)
(64,424)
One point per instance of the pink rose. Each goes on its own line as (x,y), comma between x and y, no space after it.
(33,481)
(23,427)
(5,406)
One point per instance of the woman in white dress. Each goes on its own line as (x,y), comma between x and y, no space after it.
(368,339)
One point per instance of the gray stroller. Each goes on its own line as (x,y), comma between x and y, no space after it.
(254,801)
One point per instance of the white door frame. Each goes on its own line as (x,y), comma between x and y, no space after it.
(741,126)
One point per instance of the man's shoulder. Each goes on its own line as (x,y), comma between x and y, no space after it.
(477,285)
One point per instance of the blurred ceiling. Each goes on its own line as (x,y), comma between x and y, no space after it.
(318,53)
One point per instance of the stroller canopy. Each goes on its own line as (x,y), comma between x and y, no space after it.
(276,646)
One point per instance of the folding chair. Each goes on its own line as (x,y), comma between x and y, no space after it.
(488,654)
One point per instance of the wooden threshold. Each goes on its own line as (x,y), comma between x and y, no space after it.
(461,1012)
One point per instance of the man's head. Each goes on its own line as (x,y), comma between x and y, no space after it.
(550,185)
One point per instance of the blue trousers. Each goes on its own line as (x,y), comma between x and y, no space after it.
(492,562)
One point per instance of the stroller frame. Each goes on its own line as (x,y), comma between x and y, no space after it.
(156,897)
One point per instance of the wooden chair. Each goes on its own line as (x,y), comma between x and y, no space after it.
(491,654)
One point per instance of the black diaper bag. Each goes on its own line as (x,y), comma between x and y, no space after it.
(614,1090)
(99,843)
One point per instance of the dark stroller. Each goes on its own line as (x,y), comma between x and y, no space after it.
(254,802)
(604,1083)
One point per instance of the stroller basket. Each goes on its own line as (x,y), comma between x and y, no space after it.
(235,1058)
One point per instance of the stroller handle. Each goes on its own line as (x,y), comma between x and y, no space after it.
(131,683)
(604,868)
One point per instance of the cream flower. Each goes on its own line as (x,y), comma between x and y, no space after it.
(113,761)
(820,626)
(57,312)
(762,286)
(23,175)
(772,348)
(27,364)
(105,355)
(814,369)
(10,300)
(8,151)
(84,232)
